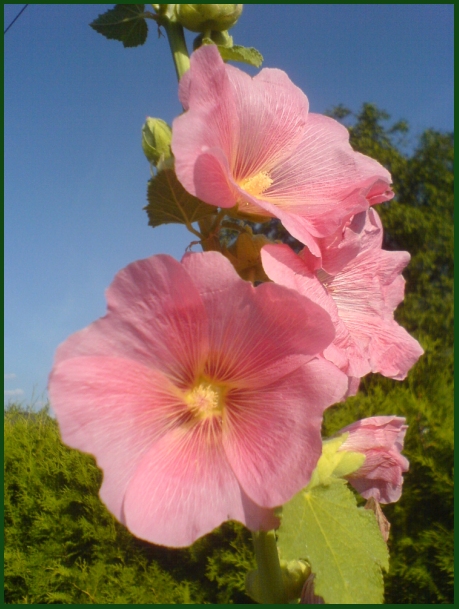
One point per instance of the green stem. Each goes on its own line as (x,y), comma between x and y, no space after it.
(270,575)
(177,44)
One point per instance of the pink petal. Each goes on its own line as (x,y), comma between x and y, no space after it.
(246,124)
(184,488)
(272,115)
(362,232)
(392,351)
(253,341)
(380,431)
(381,490)
(273,450)
(369,285)
(155,317)
(282,265)
(114,409)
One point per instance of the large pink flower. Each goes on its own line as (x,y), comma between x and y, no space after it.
(200,398)
(380,439)
(359,285)
(251,142)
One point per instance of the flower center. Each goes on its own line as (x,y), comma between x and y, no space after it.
(257,184)
(206,399)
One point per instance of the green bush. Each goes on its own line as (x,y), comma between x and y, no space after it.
(61,544)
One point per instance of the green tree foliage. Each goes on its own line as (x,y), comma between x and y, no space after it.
(63,547)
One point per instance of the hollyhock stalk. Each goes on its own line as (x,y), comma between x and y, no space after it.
(176,39)
(272,587)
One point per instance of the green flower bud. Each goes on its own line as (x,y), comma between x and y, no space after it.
(294,574)
(208,17)
(156,140)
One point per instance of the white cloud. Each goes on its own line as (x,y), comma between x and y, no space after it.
(9,376)
(9,393)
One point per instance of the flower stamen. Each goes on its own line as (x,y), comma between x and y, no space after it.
(206,399)
(257,184)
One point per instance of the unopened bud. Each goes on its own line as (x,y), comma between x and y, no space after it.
(156,140)
(294,575)
(208,17)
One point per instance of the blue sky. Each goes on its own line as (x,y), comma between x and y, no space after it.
(75,174)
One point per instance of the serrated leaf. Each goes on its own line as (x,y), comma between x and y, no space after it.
(169,202)
(125,23)
(237,53)
(341,542)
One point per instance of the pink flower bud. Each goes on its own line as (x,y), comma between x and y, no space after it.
(380,439)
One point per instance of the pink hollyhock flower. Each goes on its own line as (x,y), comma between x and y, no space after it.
(380,439)
(359,285)
(251,142)
(200,398)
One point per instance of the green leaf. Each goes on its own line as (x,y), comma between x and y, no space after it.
(237,53)
(341,541)
(169,202)
(125,22)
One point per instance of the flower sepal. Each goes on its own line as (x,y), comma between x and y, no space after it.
(335,464)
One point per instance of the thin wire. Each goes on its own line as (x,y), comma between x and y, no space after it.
(17,17)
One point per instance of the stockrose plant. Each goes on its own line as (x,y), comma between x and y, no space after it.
(201,392)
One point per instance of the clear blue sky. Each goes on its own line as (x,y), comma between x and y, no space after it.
(75,174)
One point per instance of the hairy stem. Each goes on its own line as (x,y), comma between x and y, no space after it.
(178,47)
(269,571)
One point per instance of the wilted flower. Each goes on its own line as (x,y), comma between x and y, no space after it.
(380,439)
(251,143)
(200,399)
(359,284)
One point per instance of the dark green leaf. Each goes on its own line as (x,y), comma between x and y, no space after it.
(125,22)
(169,202)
